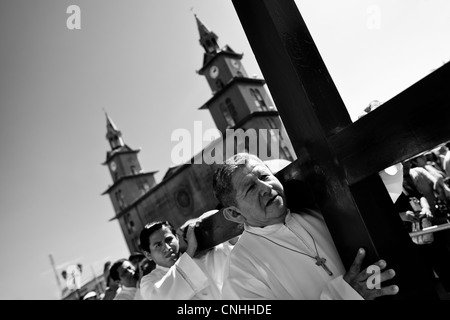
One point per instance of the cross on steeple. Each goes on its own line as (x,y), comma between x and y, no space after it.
(113,134)
(208,39)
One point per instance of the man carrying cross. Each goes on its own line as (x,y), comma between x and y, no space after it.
(281,254)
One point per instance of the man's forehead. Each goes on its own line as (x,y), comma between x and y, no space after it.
(246,173)
(160,234)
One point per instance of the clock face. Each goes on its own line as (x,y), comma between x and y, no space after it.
(235,63)
(214,72)
(113,166)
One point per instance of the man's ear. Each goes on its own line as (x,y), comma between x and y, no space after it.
(233,214)
(148,255)
(115,283)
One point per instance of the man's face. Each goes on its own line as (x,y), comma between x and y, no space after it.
(259,195)
(127,274)
(164,247)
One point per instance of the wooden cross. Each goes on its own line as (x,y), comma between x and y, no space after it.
(339,160)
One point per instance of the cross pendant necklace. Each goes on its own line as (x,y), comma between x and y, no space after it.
(319,260)
(322,262)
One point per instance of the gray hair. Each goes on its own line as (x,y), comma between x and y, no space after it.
(222,181)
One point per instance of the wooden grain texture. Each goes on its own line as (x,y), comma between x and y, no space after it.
(415,120)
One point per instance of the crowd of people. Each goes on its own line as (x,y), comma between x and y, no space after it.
(281,254)
(424,202)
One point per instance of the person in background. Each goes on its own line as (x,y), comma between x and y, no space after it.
(415,210)
(142,265)
(136,258)
(123,271)
(112,287)
(446,159)
(178,275)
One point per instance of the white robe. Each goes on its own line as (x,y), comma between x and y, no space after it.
(260,269)
(128,293)
(188,279)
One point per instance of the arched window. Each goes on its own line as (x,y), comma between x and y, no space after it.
(257,104)
(143,186)
(260,100)
(120,199)
(219,84)
(231,108)
(129,223)
(272,124)
(227,115)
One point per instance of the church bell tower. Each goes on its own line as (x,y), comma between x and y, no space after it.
(238,101)
(130,183)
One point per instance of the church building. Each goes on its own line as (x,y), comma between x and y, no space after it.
(238,102)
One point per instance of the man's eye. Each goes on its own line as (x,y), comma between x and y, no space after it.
(264,177)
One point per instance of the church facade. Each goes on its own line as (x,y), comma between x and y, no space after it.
(240,106)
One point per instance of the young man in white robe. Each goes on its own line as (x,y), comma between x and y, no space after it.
(124,271)
(281,254)
(181,276)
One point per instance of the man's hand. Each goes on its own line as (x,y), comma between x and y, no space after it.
(426,212)
(358,280)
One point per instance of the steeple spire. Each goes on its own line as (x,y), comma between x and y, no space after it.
(113,134)
(208,39)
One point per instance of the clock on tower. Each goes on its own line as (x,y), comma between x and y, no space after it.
(214,72)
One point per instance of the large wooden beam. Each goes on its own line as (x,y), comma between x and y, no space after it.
(215,230)
(311,109)
(413,121)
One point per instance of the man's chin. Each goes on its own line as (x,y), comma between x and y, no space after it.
(277,210)
(171,261)
(277,202)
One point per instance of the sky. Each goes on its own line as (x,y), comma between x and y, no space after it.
(137,60)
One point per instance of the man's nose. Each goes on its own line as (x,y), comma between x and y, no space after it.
(167,247)
(264,187)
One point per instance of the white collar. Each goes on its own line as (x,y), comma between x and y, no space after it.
(270,228)
(128,288)
(165,269)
